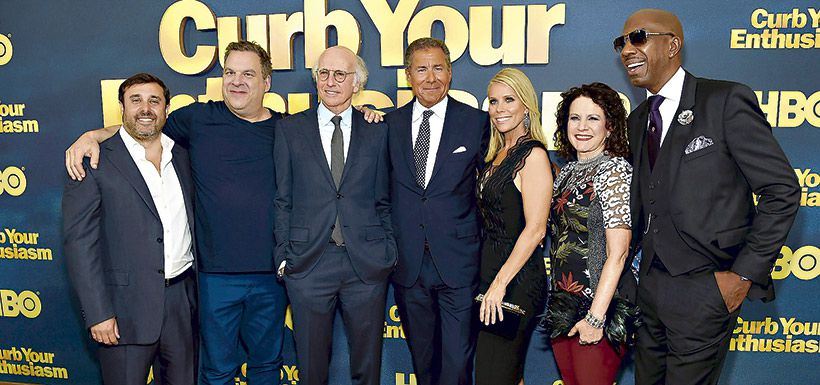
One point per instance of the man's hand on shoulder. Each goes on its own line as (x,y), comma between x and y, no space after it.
(371,116)
(106,332)
(87,145)
(733,288)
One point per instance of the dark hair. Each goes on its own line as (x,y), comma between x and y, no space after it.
(608,99)
(425,43)
(144,78)
(252,46)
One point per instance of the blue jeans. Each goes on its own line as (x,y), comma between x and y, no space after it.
(250,307)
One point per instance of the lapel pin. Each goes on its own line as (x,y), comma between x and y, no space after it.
(686,117)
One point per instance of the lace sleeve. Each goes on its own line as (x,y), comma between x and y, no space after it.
(521,152)
(611,183)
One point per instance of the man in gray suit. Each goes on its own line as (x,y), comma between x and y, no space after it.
(129,247)
(334,237)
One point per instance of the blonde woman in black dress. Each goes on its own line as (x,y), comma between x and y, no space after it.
(514,192)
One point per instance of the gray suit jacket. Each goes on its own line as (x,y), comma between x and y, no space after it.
(307,199)
(113,242)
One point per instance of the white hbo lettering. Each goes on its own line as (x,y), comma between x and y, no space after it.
(27,304)
(12,181)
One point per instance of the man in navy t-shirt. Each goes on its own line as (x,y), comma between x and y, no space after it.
(231,150)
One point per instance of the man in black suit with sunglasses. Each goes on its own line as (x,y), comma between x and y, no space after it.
(700,148)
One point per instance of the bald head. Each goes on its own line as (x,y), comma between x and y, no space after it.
(652,61)
(339,74)
(658,17)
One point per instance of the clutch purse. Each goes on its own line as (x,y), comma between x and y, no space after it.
(508,328)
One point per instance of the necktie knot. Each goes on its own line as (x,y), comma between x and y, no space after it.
(426,114)
(655,102)
(336,120)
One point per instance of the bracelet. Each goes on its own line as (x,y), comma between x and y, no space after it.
(594,321)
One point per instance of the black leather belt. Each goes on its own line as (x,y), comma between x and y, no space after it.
(179,278)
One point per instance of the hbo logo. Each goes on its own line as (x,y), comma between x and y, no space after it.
(26,303)
(12,181)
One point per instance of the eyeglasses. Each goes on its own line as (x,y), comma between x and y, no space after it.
(338,75)
(637,38)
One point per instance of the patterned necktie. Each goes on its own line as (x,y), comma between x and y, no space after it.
(337,165)
(422,148)
(655,128)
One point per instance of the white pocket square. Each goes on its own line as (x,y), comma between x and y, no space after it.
(698,144)
(460,150)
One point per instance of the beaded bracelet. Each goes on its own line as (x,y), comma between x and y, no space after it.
(594,321)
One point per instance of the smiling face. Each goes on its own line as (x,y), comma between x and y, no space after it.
(244,84)
(144,110)
(651,64)
(336,95)
(506,109)
(586,128)
(429,75)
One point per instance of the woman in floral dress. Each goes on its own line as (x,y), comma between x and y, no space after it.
(590,227)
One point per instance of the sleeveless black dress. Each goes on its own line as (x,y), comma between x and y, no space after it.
(500,360)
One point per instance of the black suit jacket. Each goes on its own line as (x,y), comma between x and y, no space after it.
(445,212)
(113,242)
(307,200)
(710,190)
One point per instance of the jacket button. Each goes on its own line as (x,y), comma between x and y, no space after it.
(424,199)
(159,240)
(655,231)
(421,226)
(339,196)
(651,201)
(161,271)
(651,186)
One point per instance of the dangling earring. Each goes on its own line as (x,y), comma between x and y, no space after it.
(527,120)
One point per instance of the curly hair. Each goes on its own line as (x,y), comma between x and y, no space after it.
(608,99)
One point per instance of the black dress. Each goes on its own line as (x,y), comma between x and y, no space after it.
(500,360)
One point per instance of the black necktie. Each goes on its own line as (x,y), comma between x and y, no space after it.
(422,147)
(655,128)
(337,165)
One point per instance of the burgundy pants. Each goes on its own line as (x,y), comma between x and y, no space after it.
(586,364)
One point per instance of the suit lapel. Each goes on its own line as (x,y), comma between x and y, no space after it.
(314,141)
(679,135)
(449,133)
(122,161)
(355,142)
(406,137)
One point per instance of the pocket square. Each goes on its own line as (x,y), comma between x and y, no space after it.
(460,149)
(698,144)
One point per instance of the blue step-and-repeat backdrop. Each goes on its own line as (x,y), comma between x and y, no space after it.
(61,63)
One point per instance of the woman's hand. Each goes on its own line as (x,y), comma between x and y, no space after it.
(586,333)
(491,306)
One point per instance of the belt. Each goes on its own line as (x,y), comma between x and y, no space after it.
(179,278)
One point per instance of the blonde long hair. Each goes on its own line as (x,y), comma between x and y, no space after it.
(522,87)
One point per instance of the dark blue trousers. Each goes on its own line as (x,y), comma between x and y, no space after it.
(237,310)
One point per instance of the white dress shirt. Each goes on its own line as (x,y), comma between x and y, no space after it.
(326,128)
(671,92)
(166,192)
(436,128)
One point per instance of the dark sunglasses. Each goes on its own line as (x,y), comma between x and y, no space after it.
(637,38)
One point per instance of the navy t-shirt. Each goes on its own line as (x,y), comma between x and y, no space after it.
(232,163)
